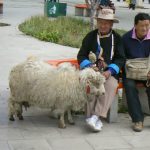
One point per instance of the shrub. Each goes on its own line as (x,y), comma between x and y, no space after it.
(66,31)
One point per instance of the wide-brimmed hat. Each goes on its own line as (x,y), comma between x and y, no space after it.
(106,14)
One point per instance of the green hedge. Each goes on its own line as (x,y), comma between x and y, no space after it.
(63,30)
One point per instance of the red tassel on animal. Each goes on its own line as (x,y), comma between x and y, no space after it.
(88,89)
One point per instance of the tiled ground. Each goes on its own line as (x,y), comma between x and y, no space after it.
(38,131)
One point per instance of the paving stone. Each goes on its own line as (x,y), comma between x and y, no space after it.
(138,141)
(38,131)
(41,133)
(10,133)
(70,144)
(142,148)
(29,145)
(116,149)
(108,142)
(4,145)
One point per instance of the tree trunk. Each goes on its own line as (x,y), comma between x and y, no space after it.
(92,12)
(93,5)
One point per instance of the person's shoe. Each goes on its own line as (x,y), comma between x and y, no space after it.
(138,126)
(91,122)
(98,126)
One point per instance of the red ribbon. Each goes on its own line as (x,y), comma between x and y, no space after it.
(88,89)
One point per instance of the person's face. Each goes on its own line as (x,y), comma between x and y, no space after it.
(104,26)
(142,28)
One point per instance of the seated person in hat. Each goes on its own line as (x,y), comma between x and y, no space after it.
(106,45)
(136,44)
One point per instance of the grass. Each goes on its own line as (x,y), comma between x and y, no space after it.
(66,31)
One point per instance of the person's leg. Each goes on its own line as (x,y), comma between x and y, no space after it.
(104,102)
(134,105)
(98,106)
(92,119)
(129,5)
(90,107)
(148,94)
(133,6)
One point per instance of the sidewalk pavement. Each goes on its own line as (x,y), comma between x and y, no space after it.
(38,131)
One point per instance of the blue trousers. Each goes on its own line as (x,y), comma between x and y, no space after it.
(133,102)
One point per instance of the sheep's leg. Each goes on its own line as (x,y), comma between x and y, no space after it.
(70,119)
(11,118)
(11,110)
(19,111)
(54,114)
(62,121)
(20,116)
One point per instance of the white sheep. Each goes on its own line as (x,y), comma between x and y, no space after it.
(36,83)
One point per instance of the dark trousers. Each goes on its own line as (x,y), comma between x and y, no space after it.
(133,102)
(132,6)
(148,94)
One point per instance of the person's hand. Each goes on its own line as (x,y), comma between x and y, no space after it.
(101,63)
(106,74)
(95,68)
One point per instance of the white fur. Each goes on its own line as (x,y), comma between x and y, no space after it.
(40,84)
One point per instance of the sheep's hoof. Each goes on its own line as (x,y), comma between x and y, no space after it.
(20,117)
(62,126)
(11,118)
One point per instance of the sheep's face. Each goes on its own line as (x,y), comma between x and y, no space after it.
(93,81)
(100,90)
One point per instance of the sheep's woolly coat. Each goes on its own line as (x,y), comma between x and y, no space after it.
(42,85)
(63,88)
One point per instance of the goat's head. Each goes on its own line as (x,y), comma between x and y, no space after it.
(93,81)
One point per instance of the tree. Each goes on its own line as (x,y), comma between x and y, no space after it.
(93,5)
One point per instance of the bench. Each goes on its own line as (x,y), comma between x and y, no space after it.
(143,98)
(59,61)
(82,10)
(1,6)
(112,115)
(113,112)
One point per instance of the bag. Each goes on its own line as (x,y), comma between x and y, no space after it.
(137,68)
(148,80)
